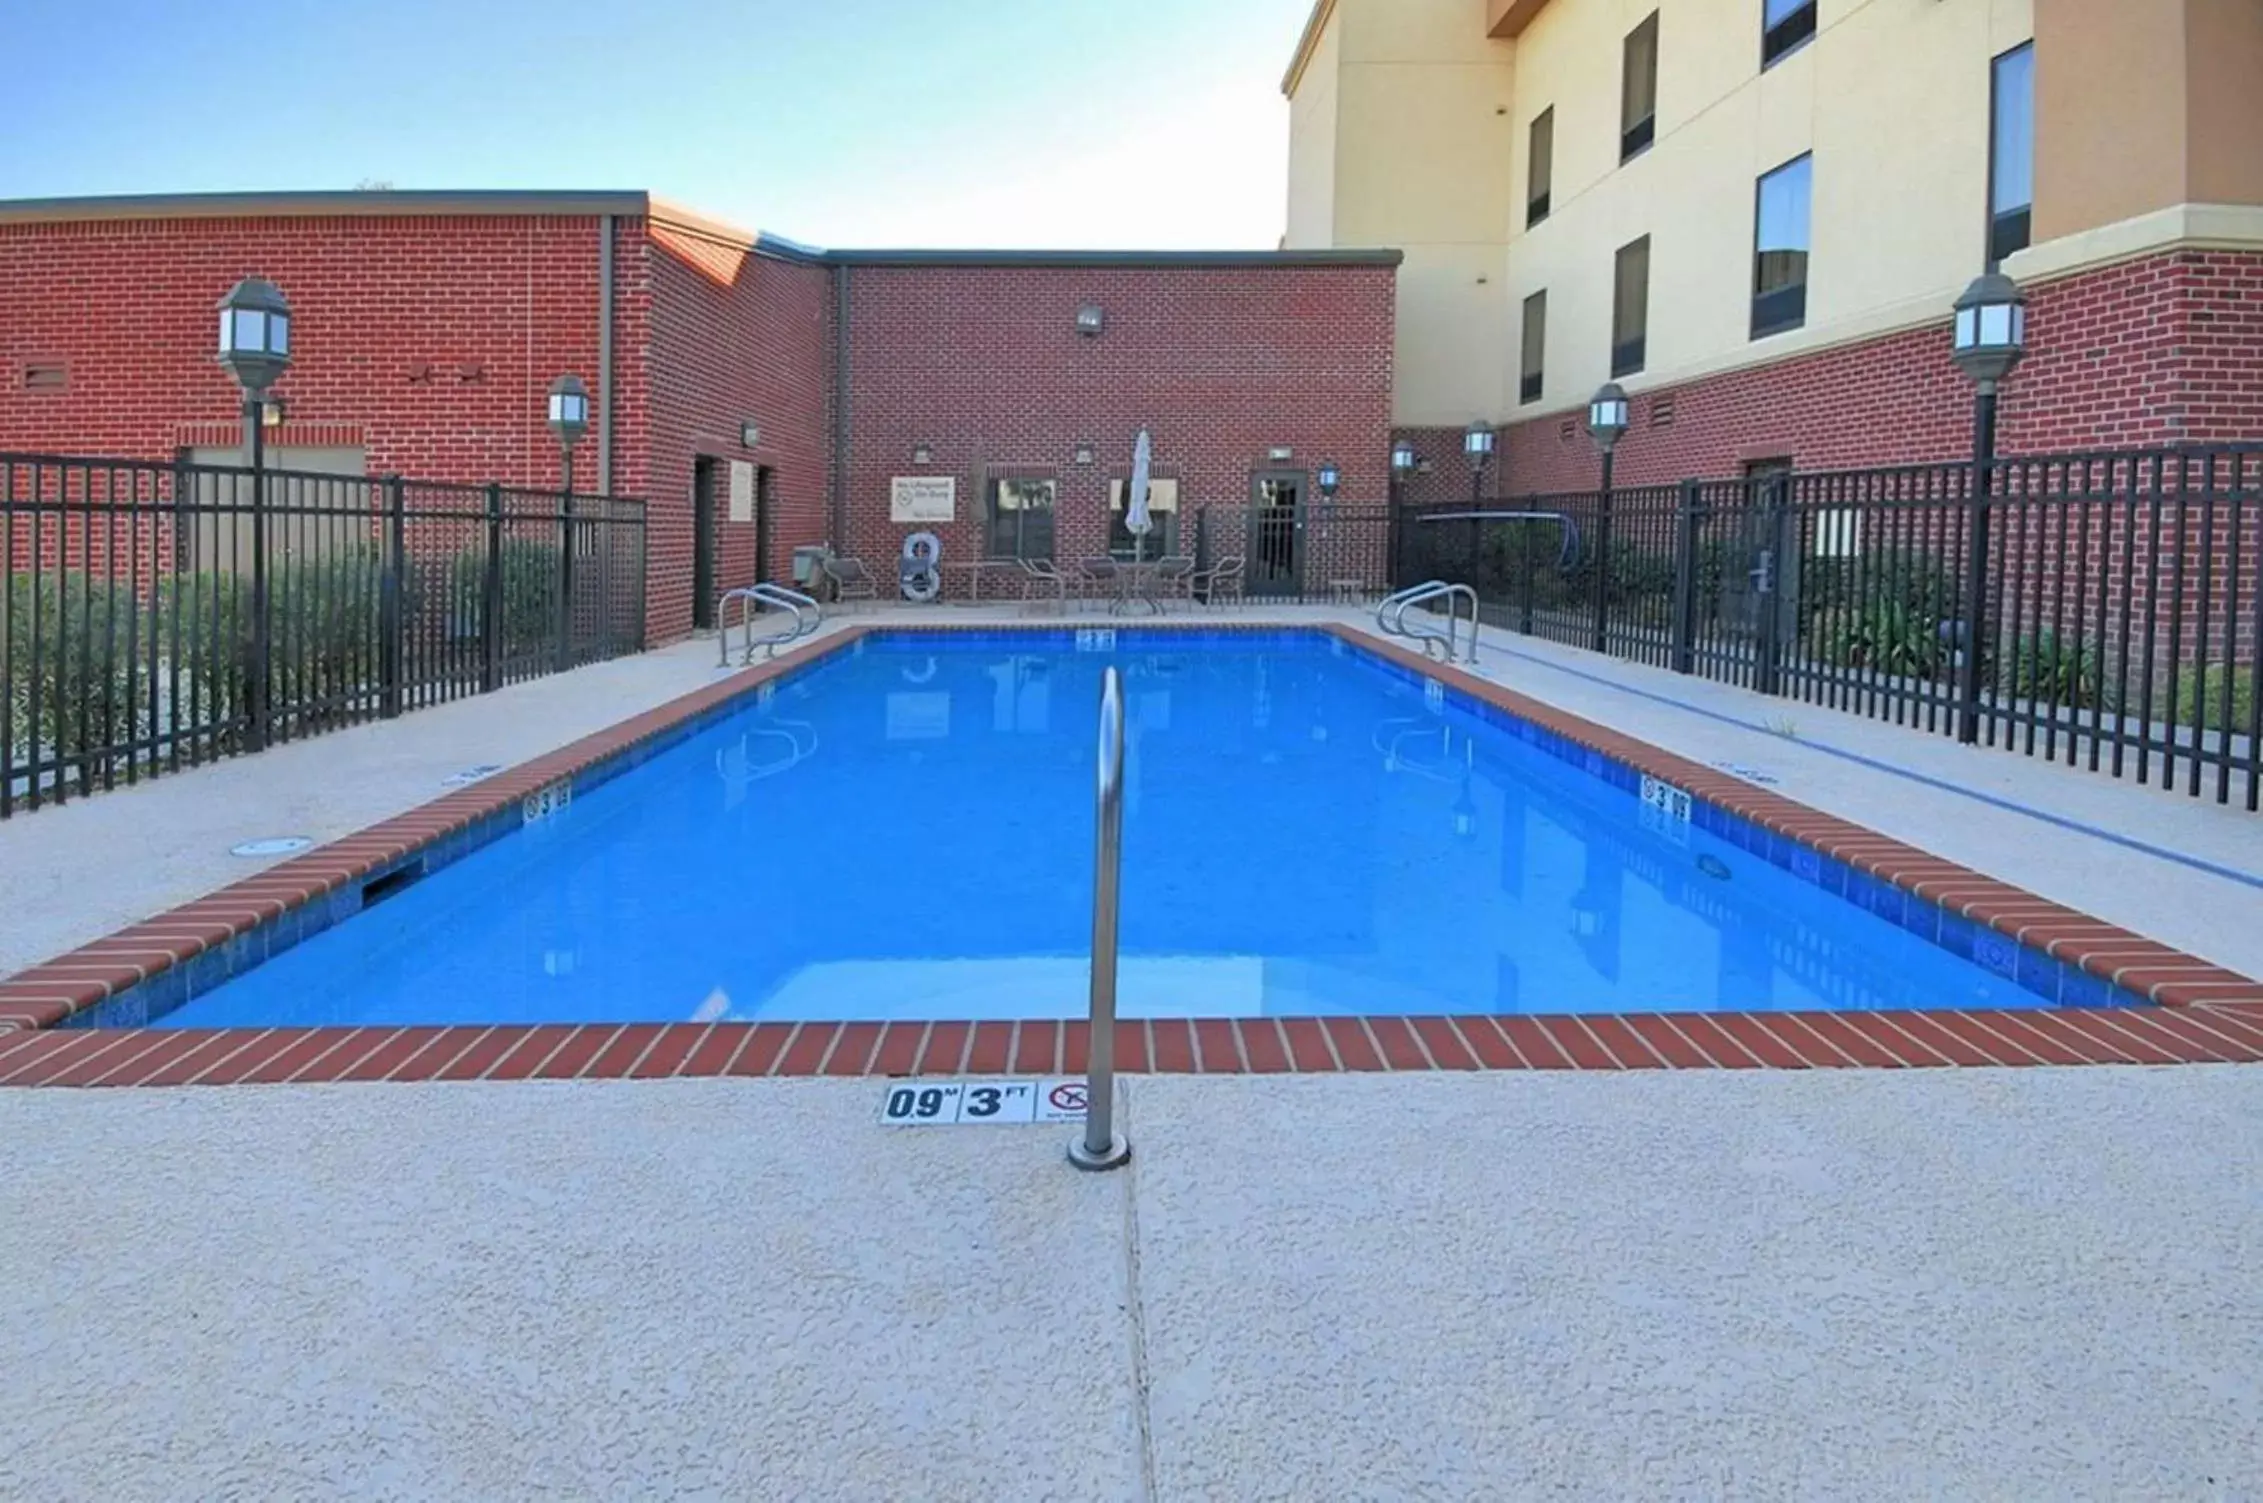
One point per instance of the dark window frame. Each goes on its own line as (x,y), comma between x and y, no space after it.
(1635,136)
(995,524)
(1532,374)
(1163,541)
(2011,230)
(1536,204)
(1785,309)
(1786,36)
(1629,352)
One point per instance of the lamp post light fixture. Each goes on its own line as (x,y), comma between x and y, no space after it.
(569,420)
(1606,424)
(1477,443)
(1988,339)
(255,346)
(1403,462)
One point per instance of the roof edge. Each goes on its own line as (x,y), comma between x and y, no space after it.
(1099,258)
(1307,41)
(318,203)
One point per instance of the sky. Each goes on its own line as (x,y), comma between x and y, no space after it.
(839,123)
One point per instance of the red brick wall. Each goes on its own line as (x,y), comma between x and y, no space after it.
(489,310)
(2163,350)
(1220,363)
(733,336)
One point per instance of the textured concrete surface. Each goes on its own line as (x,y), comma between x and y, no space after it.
(659,1290)
(2030,1284)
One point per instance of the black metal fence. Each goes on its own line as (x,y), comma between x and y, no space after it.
(162,615)
(1318,552)
(2101,610)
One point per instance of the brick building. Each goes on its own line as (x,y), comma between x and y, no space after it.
(1754,215)
(428,326)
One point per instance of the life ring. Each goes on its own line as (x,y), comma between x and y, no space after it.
(919,573)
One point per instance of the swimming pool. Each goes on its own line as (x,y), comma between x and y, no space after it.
(903,829)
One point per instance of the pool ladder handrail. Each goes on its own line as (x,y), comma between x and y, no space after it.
(1390,618)
(807,613)
(1098,1146)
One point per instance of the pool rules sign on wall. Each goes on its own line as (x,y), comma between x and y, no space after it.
(972,1103)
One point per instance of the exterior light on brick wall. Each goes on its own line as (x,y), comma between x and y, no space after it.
(1280,454)
(569,412)
(1331,480)
(255,346)
(1477,443)
(1991,329)
(273,411)
(1607,422)
(1607,417)
(1988,341)
(255,335)
(922,454)
(1084,454)
(750,434)
(1089,320)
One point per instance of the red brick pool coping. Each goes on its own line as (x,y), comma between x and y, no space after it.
(2209,1014)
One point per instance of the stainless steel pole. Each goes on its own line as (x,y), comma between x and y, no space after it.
(1101,1146)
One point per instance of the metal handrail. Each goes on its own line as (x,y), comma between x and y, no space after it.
(1390,617)
(807,613)
(1101,1146)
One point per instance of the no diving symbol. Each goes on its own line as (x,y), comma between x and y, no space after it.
(1066,1097)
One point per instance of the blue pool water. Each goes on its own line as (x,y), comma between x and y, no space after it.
(904,830)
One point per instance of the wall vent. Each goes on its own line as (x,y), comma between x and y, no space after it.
(1662,412)
(46,376)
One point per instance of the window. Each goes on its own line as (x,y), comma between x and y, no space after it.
(2011,153)
(1021,518)
(1162,505)
(1779,248)
(1638,90)
(1540,166)
(1630,308)
(1529,380)
(1785,26)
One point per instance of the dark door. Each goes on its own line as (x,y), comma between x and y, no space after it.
(762,511)
(1276,532)
(703,544)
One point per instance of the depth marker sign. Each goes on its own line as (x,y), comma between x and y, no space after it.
(968,1103)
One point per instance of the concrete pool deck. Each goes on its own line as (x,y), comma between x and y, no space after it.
(1982,1283)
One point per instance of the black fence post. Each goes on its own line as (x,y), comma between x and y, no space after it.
(1767,581)
(1970,669)
(255,738)
(1602,642)
(566,569)
(1685,578)
(392,617)
(491,597)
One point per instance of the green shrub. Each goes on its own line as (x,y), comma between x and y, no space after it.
(530,593)
(323,627)
(2229,703)
(2050,669)
(1887,638)
(1904,585)
(77,682)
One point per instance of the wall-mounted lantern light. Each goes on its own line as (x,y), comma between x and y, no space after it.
(1089,320)
(1331,479)
(1084,454)
(922,453)
(750,434)
(255,335)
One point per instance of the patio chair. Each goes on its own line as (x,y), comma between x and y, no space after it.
(850,579)
(1041,581)
(1096,579)
(1221,583)
(1174,578)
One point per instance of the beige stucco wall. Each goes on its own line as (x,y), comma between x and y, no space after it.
(1312,146)
(1892,99)
(1425,126)
(2224,103)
